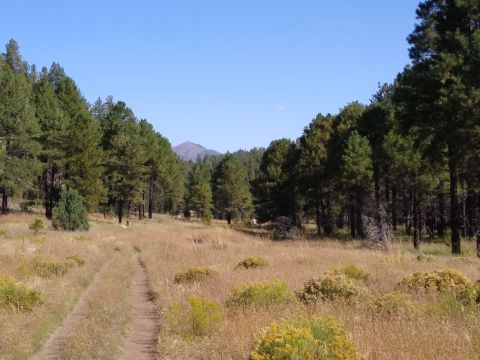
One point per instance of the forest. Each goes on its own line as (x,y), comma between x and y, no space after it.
(409,159)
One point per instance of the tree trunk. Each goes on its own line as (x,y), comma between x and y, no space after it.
(359,214)
(4,202)
(454,213)
(376,180)
(229,217)
(128,213)
(471,201)
(120,212)
(441,225)
(318,216)
(327,226)
(417,220)
(353,225)
(394,208)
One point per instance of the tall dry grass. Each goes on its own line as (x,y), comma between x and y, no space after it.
(23,333)
(173,247)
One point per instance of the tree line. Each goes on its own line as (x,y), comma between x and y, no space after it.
(409,158)
(51,137)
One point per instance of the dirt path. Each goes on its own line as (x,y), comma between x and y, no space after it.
(53,347)
(142,334)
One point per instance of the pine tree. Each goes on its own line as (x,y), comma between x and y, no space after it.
(357,172)
(53,138)
(18,134)
(199,194)
(231,190)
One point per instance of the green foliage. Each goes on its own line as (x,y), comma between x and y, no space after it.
(231,190)
(18,296)
(70,213)
(307,338)
(196,317)
(252,263)
(261,293)
(333,287)
(199,192)
(36,226)
(43,267)
(194,274)
(353,272)
(441,281)
(394,304)
(274,186)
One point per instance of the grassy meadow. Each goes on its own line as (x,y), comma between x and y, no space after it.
(198,286)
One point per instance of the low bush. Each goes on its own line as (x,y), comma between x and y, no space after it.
(36,226)
(441,281)
(252,263)
(353,272)
(393,304)
(260,293)
(42,267)
(195,317)
(308,338)
(70,213)
(333,287)
(76,259)
(194,274)
(17,296)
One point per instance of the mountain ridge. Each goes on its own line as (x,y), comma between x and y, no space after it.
(190,151)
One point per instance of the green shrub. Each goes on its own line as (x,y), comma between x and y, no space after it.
(17,296)
(193,275)
(353,272)
(308,338)
(252,263)
(441,281)
(36,226)
(261,293)
(70,213)
(76,259)
(333,287)
(42,267)
(395,303)
(196,317)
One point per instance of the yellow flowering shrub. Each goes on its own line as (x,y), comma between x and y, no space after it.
(393,304)
(442,281)
(17,295)
(307,338)
(261,293)
(194,274)
(333,287)
(195,317)
(353,272)
(252,263)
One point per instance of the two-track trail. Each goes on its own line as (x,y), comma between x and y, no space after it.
(142,333)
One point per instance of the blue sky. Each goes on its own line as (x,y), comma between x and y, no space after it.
(227,74)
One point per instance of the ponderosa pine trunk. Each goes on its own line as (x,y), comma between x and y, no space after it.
(441,224)
(353,225)
(4,202)
(394,208)
(120,212)
(376,180)
(454,211)
(359,214)
(128,213)
(318,216)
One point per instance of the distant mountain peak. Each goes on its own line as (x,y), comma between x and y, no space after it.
(191,151)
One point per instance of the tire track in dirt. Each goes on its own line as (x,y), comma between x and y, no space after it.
(142,334)
(52,349)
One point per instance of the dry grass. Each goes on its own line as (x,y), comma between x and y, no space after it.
(100,334)
(169,249)
(22,334)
